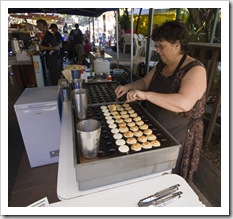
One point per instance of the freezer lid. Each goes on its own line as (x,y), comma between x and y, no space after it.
(37,97)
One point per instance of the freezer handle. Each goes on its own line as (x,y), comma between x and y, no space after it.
(50,109)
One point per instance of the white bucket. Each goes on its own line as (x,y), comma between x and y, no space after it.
(101,66)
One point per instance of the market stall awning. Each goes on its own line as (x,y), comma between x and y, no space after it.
(90,12)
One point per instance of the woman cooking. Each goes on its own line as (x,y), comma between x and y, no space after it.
(174,93)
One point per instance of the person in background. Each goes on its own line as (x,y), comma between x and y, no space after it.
(76,38)
(87,35)
(58,37)
(51,48)
(87,47)
(174,94)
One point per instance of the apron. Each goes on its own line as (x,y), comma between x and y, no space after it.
(186,127)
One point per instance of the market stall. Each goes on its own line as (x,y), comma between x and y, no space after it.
(112,176)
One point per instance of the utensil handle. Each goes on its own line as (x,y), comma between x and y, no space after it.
(164,201)
(147,201)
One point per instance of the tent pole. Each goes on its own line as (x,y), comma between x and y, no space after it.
(131,50)
(117,41)
(178,10)
(148,52)
(93,32)
(214,25)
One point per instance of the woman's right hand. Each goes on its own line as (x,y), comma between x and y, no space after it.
(121,90)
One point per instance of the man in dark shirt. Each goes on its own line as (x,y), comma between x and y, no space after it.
(59,40)
(76,36)
(51,48)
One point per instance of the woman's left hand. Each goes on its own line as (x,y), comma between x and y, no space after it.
(136,95)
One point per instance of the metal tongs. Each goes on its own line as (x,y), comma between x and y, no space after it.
(161,197)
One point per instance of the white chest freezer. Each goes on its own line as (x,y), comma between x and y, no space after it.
(39,121)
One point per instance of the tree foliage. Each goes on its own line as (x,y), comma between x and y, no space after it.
(200,24)
(83,20)
(125,20)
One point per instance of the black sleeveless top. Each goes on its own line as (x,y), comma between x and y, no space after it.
(174,123)
(186,127)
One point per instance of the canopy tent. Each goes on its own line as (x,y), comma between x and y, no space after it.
(89,12)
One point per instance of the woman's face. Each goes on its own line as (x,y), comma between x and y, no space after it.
(166,50)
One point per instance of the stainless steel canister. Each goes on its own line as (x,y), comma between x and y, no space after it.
(88,136)
(80,102)
(77,83)
(76,74)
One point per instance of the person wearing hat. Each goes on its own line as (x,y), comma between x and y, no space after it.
(51,48)
(76,38)
(58,37)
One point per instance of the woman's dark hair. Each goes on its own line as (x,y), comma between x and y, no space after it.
(172,31)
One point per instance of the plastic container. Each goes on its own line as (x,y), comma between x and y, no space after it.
(101,66)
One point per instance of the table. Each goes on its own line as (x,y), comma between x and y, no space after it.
(129,194)
(113,195)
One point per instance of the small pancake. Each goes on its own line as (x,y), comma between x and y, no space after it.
(120,142)
(110,121)
(123,149)
(151,137)
(108,117)
(121,124)
(131,111)
(125,105)
(131,140)
(125,116)
(134,128)
(133,115)
(123,112)
(146,145)
(105,110)
(117,136)
(142,138)
(128,120)
(140,122)
(147,132)
(128,108)
(119,108)
(107,114)
(143,127)
(114,113)
(112,107)
(137,118)
(115,130)
(119,120)
(155,143)
(128,134)
(103,107)
(123,129)
(112,126)
(136,147)
(130,124)
(138,133)
(117,116)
